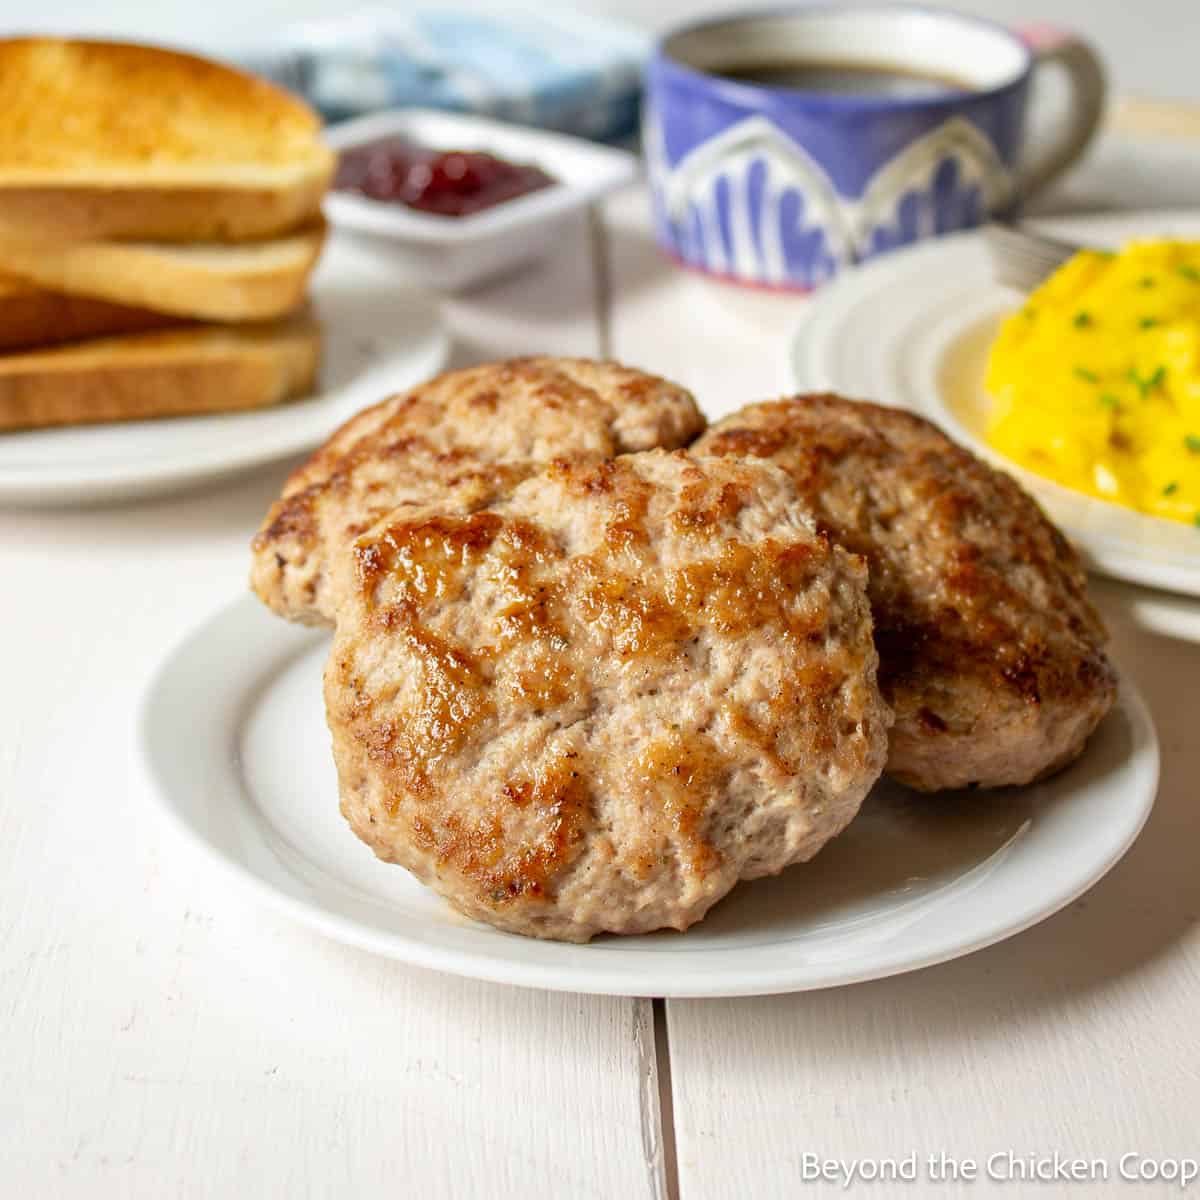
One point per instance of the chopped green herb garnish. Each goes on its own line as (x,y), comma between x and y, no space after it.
(1147,322)
(1147,281)
(1196,519)
(1082,320)
(1192,442)
(1029,312)
(1151,381)
(1171,488)
(1189,273)
(1086,375)
(1108,400)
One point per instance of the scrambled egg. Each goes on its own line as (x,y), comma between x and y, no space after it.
(1096,381)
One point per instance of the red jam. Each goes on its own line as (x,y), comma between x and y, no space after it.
(451,183)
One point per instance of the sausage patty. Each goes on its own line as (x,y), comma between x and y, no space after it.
(598,703)
(990,653)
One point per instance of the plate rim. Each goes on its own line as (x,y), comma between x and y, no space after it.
(1144,753)
(805,369)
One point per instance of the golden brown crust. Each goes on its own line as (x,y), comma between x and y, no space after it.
(141,105)
(599,702)
(31,316)
(990,652)
(111,140)
(255,281)
(186,212)
(197,369)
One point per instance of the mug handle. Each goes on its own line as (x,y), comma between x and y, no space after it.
(1085,77)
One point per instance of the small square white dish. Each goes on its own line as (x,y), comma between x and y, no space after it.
(454,253)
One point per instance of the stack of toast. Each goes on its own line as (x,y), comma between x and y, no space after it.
(160,216)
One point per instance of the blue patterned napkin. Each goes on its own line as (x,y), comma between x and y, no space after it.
(554,70)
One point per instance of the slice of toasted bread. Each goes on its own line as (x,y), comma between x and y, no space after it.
(31,316)
(108,140)
(237,281)
(202,369)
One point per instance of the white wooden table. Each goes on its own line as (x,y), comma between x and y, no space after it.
(161,1038)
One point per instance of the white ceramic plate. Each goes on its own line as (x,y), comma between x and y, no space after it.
(457,252)
(234,738)
(379,337)
(914,328)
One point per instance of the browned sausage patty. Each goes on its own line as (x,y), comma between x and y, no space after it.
(598,703)
(990,653)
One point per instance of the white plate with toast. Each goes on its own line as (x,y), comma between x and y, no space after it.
(913,329)
(248,780)
(378,336)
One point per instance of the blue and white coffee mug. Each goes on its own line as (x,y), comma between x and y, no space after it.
(784,186)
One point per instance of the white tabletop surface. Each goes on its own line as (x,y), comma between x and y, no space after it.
(162,1038)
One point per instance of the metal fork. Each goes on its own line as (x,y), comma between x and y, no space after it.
(1022,260)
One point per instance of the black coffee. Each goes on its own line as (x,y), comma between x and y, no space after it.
(849,78)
